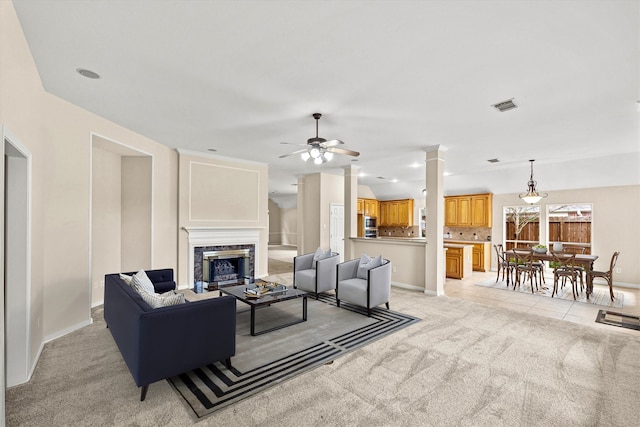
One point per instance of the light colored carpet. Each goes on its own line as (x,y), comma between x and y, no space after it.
(598,297)
(464,364)
(264,361)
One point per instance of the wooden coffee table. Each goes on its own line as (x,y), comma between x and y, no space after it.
(266,300)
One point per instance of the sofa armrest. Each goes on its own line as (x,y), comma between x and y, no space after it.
(302,262)
(179,338)
(347,270)
(326,268)
(379,280)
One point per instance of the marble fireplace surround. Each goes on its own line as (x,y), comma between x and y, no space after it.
(207,237)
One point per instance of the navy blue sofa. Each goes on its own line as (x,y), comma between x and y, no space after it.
(167,341)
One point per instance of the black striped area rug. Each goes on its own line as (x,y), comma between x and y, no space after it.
(266,360)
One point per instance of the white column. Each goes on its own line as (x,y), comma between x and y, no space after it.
(350,209)
(300,215)
(434,252)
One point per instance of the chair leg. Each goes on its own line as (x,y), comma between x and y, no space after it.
(610,280)
(227,362)
(368,312)
(337,302)
(143,392)
(387,304)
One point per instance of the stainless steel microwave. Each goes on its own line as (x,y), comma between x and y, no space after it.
(370,222)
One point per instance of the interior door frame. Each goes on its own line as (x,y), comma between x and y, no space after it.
(16,264)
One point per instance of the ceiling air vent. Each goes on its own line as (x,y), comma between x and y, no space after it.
(493,160)
(505,105)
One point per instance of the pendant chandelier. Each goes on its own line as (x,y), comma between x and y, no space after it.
(532,195)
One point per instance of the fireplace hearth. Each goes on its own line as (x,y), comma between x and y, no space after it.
(226,268)
(228,265)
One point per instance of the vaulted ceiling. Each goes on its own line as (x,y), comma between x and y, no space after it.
(391,78)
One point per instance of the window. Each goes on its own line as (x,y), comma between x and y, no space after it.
(570,225)
(521,226)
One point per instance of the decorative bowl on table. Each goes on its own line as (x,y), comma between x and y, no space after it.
(540,249)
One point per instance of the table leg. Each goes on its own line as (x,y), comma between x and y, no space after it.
(253,321)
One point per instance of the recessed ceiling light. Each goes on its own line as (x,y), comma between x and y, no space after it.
(88,73)
(394,180)
(415,165)
(493,160)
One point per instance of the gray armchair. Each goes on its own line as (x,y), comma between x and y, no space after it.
(315,279)
(369,292)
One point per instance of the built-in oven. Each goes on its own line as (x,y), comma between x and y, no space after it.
(370,227)
(371,233)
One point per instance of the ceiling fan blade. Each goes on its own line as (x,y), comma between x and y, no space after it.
(343,151)
(332,142)
(291,154)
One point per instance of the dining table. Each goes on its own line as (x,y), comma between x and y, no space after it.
(582,260)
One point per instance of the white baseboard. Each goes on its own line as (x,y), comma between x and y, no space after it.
(66,331)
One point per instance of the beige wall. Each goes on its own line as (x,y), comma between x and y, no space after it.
(289,226)
(407,259)
(615,225)
(320,190)
(222,193)
(105,219)
(136,213)
(275,224)
(58,135)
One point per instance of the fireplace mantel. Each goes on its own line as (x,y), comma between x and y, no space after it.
(212,236)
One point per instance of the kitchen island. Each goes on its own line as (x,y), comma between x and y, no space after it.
(407,255)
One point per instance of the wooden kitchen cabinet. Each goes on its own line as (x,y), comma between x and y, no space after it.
(458,261)
(360,207)
(468,211)
(396,213)
(370,207)
(454,263)
(481,255)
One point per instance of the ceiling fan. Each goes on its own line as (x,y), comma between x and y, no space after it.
(319,149)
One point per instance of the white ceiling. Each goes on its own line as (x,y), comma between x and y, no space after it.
(391,79)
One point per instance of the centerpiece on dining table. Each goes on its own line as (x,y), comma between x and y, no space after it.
(540,249)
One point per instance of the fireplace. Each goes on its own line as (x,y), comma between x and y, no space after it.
(226,268)
(207,240)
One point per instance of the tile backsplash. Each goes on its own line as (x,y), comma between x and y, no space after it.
(468,233)
(413,231)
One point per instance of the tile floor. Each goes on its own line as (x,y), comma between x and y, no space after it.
(571,311)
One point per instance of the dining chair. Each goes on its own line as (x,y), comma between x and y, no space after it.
(504,266)
(563,269)
(578,250)
(525,264)
(606,275)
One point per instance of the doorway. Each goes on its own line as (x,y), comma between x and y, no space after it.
(336,236)
(17,260)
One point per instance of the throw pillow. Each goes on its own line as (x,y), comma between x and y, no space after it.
(144,281)
(318,255)
(362,272)
(126,279)
(373,263)
(162,300)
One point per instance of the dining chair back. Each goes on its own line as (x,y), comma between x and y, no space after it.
(564,268)
(504,266)
(606,275)
(525,264)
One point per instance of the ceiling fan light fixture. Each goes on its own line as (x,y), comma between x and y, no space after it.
(532,196)
(314,152)
(328,156)
(305,156)
(318,160)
